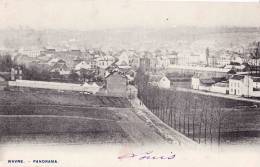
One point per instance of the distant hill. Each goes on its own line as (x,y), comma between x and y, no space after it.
(129,37)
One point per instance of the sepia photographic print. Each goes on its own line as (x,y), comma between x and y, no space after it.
(89,83)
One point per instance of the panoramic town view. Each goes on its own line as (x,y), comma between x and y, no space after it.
(86,73)
(199,88)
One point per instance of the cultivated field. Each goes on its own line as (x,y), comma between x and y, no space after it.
(60,98)
(55,117)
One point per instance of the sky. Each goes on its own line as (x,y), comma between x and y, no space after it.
(109,14)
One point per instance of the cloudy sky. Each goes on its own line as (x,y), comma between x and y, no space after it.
(98,14)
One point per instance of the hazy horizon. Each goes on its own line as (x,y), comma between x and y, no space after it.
(121,14)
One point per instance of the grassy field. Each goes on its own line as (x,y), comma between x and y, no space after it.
(58,98)
(53,117)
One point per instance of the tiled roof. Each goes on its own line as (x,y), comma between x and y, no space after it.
(222,84)
(207,81)
(60,66)
(237,77)
(114,72)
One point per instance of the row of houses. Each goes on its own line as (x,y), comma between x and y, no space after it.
(239,85)
(116,84)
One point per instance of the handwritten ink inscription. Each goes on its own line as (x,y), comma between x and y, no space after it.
(149,155)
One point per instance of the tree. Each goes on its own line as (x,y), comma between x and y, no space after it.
(6,63)
(34,72)
(73,76)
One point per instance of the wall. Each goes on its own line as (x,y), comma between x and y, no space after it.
(205,88)
(195,82)
(256,93)
(219,89)
(116,85)
(52,85)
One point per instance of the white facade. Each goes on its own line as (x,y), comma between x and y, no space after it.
(217,87)
(256,84)
(105,61)
(195,83)
(241,87)
(164,83)
(64,72)
(237,59)
(160,81)
(83,65)
(224,60)
(254,62)
(30,53)
(123,60)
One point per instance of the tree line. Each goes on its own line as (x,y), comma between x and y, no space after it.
(199,117)
(38,72)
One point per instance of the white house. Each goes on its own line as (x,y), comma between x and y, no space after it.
(241,85)
(202,83)
(62,69)
(254,62)
(195,82)
(83,65)
(123,60)
(218,85)
(237,58)
(223,59)
(256,82)
(105,61)
(91,87)
(162,62)
(160,80)
(30,52)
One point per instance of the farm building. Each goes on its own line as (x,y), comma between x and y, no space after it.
(116,84)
